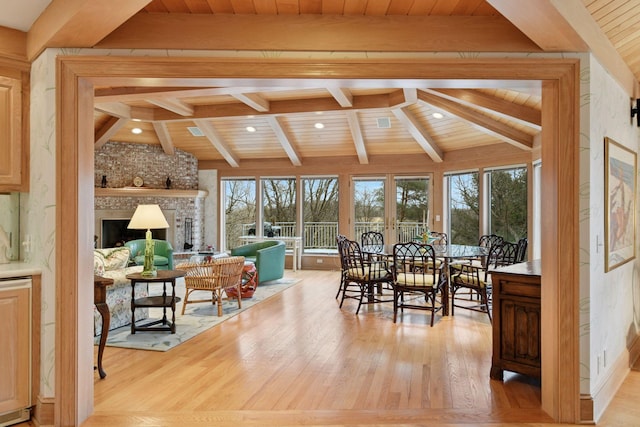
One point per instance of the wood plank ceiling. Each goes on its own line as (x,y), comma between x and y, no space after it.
(361,119)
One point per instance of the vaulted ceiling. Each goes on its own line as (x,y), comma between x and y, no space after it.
(359,118)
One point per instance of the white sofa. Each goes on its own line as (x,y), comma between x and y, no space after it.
(113,263)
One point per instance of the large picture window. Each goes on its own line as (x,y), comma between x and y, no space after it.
(507,190)
(320,214)
(239,196)
(464,209)
(279,207)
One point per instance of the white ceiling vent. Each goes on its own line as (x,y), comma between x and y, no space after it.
(384,123)
(195,131)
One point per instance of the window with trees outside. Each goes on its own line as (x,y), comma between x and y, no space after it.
(320,214)
(239,196)
(507,190)
(464,209)
(279,208)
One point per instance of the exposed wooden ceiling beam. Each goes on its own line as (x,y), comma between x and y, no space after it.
(356,134)
(276,124)
(117,109)
(78,23)
(102,135)
(164,137)
(419,133)
(253,100)
(174,105)
(403,97)
(471,97)
(277,107)
(486,124)
(320,33)
(541,22)
(579,17)
(342,95)
(218,142)
(567,25)
(13,44)
(124,94)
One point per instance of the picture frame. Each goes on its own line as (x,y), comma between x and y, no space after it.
(621,170)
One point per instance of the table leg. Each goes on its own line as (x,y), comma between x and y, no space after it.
(103,309)
(445,289)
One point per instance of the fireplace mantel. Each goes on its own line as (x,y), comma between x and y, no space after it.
(148,192)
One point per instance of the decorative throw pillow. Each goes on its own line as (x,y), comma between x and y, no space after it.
(116,258)
(98,263)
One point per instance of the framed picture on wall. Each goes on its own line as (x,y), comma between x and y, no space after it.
(620,204)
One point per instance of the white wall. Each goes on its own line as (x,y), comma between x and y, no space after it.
(610,302)
(39,226)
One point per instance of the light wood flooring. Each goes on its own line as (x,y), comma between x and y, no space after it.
(298,359)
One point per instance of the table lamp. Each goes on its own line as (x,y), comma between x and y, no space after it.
(147,217)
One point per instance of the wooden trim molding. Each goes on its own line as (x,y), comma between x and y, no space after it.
(77,75)
(149,192)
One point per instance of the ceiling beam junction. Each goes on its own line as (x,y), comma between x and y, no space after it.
(218,142)
(419,133)
(356,134)
(276,124)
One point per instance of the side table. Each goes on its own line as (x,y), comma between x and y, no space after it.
(100,300)
(249,282)
(164,301)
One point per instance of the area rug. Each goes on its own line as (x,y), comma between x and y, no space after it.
(197,318)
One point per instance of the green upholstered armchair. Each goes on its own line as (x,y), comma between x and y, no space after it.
(162,253)
(268,256)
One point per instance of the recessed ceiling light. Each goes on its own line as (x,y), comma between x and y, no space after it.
(250,129)
(136,120)
(437,115)
(319,125)
(137,131)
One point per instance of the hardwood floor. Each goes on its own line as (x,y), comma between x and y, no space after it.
(298,359)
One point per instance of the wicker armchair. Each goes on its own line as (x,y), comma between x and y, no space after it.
(214,276)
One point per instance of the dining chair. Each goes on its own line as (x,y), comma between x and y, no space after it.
(373,241)
(440,238)
(214,276)
(343,269)
(522,249)
(416,279)
(362,275)
(477,279)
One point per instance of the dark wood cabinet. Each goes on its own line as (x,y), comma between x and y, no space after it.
(516,319)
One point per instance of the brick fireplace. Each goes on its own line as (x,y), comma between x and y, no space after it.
(115,201)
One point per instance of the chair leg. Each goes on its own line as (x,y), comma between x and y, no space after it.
(186,300)
(340,288)
(239,296)
(219,301)
(485,302)
(396,295)
(363,289)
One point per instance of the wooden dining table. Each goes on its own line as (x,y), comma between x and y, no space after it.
(447,253)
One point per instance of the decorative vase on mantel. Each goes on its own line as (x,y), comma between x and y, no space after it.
(168,183)
(103,184)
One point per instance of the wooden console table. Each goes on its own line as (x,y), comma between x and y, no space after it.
(100,300)
(516,319)
(164,301)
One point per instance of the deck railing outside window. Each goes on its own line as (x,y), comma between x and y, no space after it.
(321,236)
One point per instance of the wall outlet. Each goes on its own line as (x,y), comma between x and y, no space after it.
(437,217)
(319,261)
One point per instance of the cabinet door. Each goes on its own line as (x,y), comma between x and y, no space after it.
(15,358)
(520,339)
(10,134)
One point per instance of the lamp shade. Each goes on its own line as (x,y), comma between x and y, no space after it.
(147,217)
